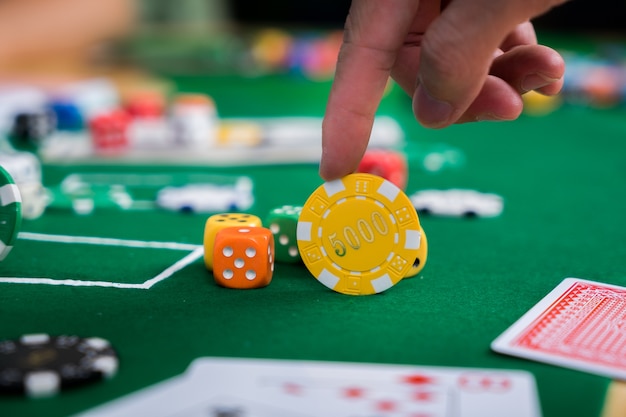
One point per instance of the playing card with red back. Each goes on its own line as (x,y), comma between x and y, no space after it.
(580,324)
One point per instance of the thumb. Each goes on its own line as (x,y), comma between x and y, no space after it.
(457,52)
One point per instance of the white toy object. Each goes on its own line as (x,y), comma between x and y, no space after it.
(457,203)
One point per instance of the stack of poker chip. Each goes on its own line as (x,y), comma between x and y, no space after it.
(195,121)
(10,213)
(148,127)
(25,171)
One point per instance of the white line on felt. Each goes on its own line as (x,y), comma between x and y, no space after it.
(168,272)
(107,241)
(69,282)
(196,254)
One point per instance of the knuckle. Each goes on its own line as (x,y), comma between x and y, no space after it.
(442,51)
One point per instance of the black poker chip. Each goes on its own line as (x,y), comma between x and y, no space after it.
(31,128)
(39,365)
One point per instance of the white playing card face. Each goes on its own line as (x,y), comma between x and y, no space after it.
(157,400)
(358,390)
(233,406)
(218,387)
(579,325)
(351,394)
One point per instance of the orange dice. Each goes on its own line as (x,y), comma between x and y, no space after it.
(243,257)
(221,221)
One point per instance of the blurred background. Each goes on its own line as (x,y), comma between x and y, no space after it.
(577,15)
(190,46)
(64,34)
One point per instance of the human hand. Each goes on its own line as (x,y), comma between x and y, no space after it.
(467,61)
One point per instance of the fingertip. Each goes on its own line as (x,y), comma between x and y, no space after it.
(429,111)
(331,169)
(497,101)
(345,136)
(536,81)
(328,172)
(552,89)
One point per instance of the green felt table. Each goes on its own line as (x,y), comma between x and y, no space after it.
(562,177)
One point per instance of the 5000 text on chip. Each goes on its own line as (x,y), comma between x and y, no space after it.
(358,235)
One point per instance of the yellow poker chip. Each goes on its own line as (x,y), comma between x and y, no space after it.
(359,235)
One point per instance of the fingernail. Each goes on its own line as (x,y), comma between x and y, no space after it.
(430,111)
(535,81)
(488,117)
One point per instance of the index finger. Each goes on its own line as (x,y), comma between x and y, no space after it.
(375,30)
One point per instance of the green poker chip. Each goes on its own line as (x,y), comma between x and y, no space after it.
(10,213)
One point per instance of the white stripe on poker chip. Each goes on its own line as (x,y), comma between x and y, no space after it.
(303,231)
(334,187)
(34,339)
(337,267)
(107,365)
(97,343)
(412,239)
(42,383)
(327,278)
(9,193)
(382,283)
(388,190)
